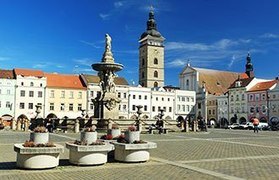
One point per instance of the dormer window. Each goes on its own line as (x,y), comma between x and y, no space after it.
(238,84)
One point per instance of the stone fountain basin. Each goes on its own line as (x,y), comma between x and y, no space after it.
(89,155)
(133,152)
(37,157)
(107,66)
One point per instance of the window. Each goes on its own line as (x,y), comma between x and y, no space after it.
(30,105)
(52,93)
(145,108)
(155,61)
(41,85)
(168,99)
(79,107)
(80,95)
(125,95)
(153,108)
(134,107)
(124,107)
(31,84)
(62,107)
(31,93)
(142,74)
(155,84)
(145,97)
(178,107)
(170,109)
(231,97)
(163,99)
(188,108)
(134,96)
(21,105)
(263,97)
(156,98)
(213,112)
(51,106)
(257,97)
(91,106)
(62,94)
(209,112)
(71,94)
(242,97)
(159,108)
(8,104)
(237,98)
(155,74)
(199,105)
(40,94)
(142,62)
(251,97)
(8,91)
(165,109)
(22,83)
(139,96)
(119,95)
(119,107)
(71,107)
(91,93)
(40,105)
(22,93)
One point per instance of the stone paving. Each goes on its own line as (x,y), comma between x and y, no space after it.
(216,154)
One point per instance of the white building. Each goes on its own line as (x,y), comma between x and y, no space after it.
(273,103)
(29,92)
(222,110)
(7,94)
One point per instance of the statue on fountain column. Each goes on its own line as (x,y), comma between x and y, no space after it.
(108,43)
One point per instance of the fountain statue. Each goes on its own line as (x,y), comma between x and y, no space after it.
(106,102)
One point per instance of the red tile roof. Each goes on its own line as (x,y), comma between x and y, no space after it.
(96,79)
(215,81)
(29,72)
(263,86)
(64,81)
(243,82)
(6,74)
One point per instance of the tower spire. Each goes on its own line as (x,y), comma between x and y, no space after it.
(249,66)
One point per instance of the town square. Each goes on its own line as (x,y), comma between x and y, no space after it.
(141,96)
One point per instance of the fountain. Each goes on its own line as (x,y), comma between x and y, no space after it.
(107,100)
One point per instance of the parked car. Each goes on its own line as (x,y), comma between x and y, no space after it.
(248,125)
(262,125)
(233,126)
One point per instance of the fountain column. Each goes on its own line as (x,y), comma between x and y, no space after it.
(106,102)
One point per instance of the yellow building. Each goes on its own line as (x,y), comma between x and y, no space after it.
(65,96)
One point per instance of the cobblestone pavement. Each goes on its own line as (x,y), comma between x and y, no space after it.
(217,154)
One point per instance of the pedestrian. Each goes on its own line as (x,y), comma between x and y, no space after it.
(255,124)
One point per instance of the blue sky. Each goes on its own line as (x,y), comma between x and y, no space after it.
(67,36)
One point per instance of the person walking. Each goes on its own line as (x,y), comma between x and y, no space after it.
(255,124)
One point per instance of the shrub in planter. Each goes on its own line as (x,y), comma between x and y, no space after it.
(89,135)
(132,134)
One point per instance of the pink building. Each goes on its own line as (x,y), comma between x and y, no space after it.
(257,98)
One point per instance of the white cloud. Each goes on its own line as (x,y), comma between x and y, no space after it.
(118,4)
(270,36)
(83,61)
(104,16)
(90,44)
(4,58)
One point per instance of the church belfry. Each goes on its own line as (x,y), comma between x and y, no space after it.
(249,67)
(151,55)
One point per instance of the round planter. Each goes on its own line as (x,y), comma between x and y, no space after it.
(89,137)
(132,136)
(39,138)
(114,132)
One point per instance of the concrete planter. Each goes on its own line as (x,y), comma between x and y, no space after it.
(133,152)
(89,155)
(37,157)
(89,137)
(114,132)
(39,138)
(132,136)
